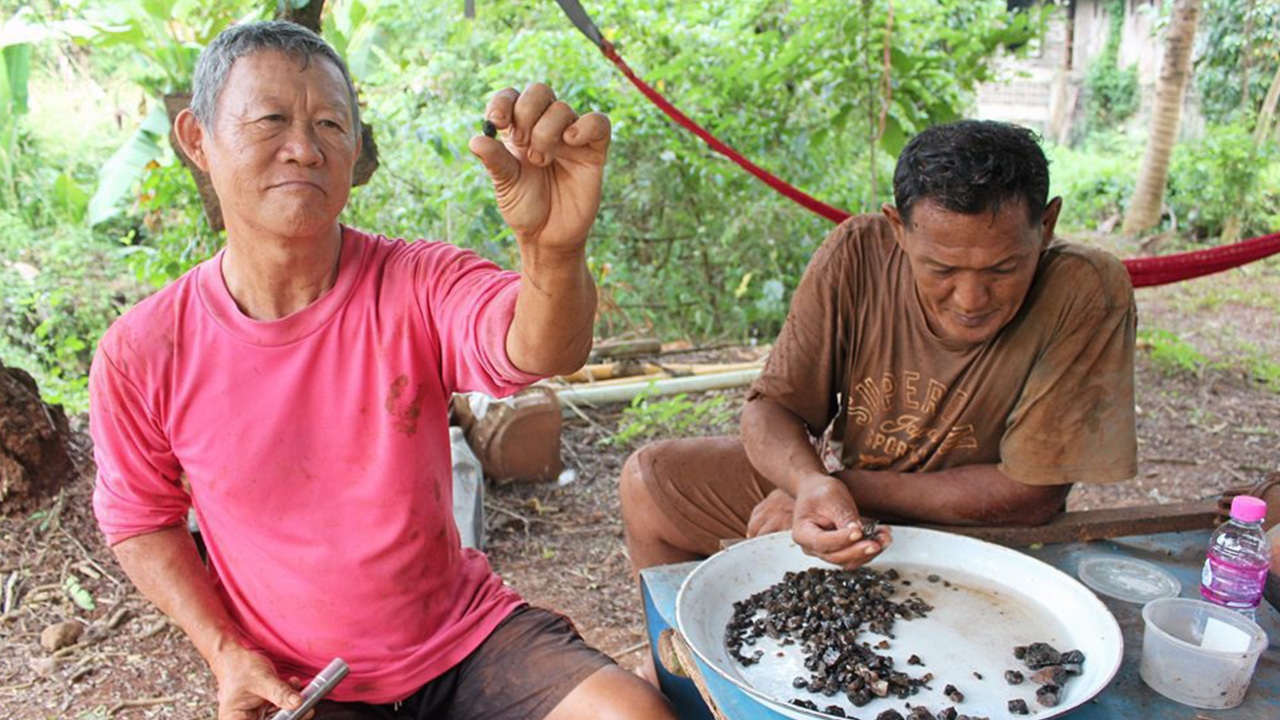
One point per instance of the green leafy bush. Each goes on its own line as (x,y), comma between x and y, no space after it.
(1220,175)
(1113,92)
(686,242)
(1238,48)
(172,235)
(1095,180)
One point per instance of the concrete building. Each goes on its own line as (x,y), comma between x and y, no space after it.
(1045,88)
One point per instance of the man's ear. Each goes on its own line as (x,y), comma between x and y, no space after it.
(895,219)
(1049,221)
(190,134)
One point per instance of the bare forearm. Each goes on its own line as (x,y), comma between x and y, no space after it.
(166,568)
(555,313)
(968,495)
(164,565)
(777,443)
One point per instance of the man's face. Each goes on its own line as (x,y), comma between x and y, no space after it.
(972,272)
(281,147)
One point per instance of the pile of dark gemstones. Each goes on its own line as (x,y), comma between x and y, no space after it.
(1052,670)
(922,713)
(823,611)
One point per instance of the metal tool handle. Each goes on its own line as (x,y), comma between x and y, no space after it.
(319,686)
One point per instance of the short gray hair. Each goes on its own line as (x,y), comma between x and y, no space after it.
(235,42)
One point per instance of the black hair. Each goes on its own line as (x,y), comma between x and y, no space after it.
(972,166)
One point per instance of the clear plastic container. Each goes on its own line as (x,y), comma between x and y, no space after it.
(1235,570)
(1127,579)
(1198,653)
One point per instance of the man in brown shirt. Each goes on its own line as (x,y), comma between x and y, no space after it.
(963,366)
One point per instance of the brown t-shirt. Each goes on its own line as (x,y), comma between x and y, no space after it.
(1049,398)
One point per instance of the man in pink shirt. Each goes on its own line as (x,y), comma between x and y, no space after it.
(293,390)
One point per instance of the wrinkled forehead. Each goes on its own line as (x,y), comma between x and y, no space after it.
(274,74)
(982,239)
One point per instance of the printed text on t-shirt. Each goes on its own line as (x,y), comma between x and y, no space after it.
(891,434)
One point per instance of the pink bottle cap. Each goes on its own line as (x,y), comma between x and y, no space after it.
(1247,508)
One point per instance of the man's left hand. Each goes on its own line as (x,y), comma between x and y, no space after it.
(547,166)
(772,514)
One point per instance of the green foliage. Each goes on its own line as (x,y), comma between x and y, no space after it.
(350,28)
(168,35)
(1220,175)
(1112,90)
(648,418)
(1231,35)
(57,296)
(796,86)
(125,167)
(163,38)
(790,85)
(1170,353)
(11,75)
(37,191)
(1210,178)
(15,70)
(1095,180)
(1113,93)
(173,236)
(1260,365)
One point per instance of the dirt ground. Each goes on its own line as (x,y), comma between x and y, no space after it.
(562,545)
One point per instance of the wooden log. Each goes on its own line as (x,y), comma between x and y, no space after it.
(1086,525)
(625,348)
(626,373)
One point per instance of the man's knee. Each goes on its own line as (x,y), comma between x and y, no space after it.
(612,693)
(636,484)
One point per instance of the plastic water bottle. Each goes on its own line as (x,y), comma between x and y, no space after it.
(1235,571)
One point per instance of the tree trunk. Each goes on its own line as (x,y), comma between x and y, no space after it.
(1267,113)
(1062,99)
(175,103)
(35,460)
(305,14)
(1171,86)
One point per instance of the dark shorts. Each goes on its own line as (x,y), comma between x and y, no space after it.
(528,664)
(705,486)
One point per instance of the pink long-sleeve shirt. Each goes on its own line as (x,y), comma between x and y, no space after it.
(315,451)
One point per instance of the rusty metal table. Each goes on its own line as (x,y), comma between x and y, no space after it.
(1127,697)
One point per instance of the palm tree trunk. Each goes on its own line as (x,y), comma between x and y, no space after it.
(1175,71)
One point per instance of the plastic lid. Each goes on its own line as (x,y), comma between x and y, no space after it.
(1127,579)
(1247,508)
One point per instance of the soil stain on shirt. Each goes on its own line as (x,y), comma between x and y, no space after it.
(405,409)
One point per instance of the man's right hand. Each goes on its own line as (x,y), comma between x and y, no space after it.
(246,682)
(827,525)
